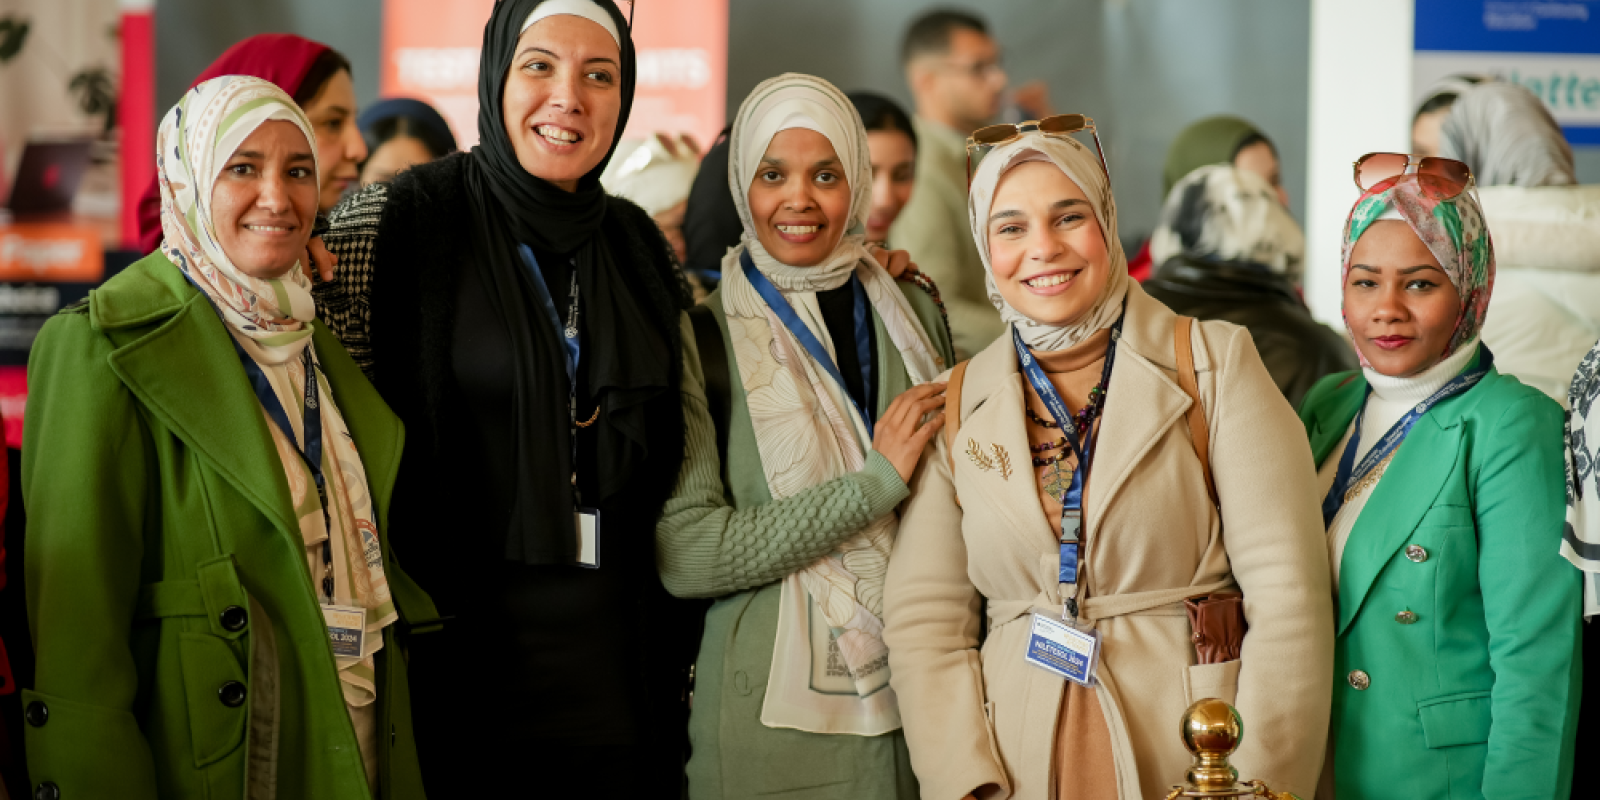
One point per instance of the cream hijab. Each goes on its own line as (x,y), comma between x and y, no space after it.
(1082,166)
(808,431)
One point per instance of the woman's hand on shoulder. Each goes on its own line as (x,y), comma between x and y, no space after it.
(319,261)
(901,435)
(894,262)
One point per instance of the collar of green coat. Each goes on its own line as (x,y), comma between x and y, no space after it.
(174,354)
(1409,486)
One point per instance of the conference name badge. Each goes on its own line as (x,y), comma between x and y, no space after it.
(1057,647)
(347,628)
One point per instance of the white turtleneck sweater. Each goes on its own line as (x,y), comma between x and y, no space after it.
(1390,399)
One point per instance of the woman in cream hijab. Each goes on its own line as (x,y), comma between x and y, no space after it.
(1105,560)
(789,521)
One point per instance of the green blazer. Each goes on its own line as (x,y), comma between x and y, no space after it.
(704,550)
(1456,659)
(165,570)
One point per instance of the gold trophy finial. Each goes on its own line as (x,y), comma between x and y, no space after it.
(1212,730)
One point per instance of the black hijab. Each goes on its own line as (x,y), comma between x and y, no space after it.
(622,369)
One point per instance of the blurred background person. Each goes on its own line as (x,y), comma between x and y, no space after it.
(400,133)
(953,67)
(1546,230)
(892,143)
(1434,109)
(657,174)
(1228,249)
(318,78)
(710,220)
(1220,139)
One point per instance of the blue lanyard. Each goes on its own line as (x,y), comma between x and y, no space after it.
(1072,498)
(573,350)
(809,341)
(311,452)
(311,423)
(1350,473)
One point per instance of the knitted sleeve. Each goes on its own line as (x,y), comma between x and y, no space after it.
(344,304)
(706,547)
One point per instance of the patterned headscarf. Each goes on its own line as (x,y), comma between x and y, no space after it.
(1083,167)
(1220,213)
(1453,231)
(196,139)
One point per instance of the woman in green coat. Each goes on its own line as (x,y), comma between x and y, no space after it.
(789,524)
(211,596)
(1457,619)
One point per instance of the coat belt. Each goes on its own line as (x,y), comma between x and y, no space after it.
(1156,602)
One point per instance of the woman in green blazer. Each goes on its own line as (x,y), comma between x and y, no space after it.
(788,523)
(1457,620)
(214,615)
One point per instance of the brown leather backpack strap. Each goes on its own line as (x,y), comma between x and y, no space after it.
(1198,431)
(952,411)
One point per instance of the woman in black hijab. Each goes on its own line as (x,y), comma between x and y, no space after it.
(524,325)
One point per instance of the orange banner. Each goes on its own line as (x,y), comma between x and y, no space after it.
(430,52)
(50,252)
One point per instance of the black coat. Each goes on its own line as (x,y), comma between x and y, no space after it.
(539,669)
(1297,349)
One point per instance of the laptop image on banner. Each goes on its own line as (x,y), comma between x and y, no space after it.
(48,176)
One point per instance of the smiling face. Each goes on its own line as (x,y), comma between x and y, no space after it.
(562,98)
(799,198)
(894,172)
(1398,302)
(1045,247)
(340,148)
(265,200)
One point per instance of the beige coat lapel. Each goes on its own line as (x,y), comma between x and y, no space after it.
(1142,403)
(992,396)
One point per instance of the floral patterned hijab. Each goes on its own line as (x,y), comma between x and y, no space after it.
(196,139)
(1453,230)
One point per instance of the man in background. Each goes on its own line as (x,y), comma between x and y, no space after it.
(953,66)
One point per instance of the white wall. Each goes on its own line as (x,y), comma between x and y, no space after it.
(1360,101)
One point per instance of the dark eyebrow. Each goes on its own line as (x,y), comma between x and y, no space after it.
(776,162)
(1068,203)
(299,157)
(247,154)
(532,48)
(1008,214)
(1419,268)
(826,162)
(1363,268)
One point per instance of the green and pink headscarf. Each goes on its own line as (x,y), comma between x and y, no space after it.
(1453,230)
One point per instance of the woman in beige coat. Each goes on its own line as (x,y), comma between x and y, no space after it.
(980,528)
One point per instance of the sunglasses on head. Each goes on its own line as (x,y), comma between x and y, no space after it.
(1060,126)
(1440,178)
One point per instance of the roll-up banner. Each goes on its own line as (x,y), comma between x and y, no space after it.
(430,52)
(1552,47)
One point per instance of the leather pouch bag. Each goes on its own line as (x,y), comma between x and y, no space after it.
(1218,623)
(1217,619)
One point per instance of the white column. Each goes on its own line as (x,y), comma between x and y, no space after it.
(1360,101)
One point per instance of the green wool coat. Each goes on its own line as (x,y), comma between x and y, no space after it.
(1476,695)
(735,544)
(165,563)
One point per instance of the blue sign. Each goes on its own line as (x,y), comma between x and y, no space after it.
(1551,47)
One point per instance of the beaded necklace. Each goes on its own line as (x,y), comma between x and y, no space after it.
(1083,421)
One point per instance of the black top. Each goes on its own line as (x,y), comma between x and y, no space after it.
(534,660)
(839,317)
(1296,349)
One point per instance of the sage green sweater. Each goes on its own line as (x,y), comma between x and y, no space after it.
(735,543)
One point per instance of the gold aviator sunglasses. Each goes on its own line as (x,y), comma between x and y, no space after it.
(1061,126)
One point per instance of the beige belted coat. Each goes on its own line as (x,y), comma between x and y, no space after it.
(983,716)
